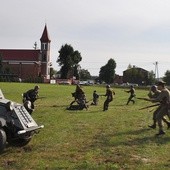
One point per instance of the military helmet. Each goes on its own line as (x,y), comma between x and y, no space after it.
(36,87)
(161,83)
(107,86)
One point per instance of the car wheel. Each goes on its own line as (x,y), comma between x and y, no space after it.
(3,139)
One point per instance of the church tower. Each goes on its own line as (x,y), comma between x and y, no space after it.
(45,54)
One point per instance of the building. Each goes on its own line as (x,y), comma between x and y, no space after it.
(136,75)
(28,63)
(118,79)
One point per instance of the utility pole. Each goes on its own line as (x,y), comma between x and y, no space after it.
(156,71)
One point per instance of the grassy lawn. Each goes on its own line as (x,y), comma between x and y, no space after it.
(92,139)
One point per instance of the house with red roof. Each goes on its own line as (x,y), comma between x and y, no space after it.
(29,63)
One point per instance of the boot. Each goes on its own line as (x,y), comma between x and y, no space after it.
(161,132)
(152,126)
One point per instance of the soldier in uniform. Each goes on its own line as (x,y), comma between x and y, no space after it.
(132,95)
(79,98)
(77,94)
(162,110)
(95,98)
(31,95)
(82,102)
(154,93)
(109,97)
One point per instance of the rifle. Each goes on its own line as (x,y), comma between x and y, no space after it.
(143,98)
(158,104)
(101,94)
(40,97)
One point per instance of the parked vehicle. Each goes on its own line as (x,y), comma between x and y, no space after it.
(17,127)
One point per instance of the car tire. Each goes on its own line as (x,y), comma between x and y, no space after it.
(19,142)
(3,139)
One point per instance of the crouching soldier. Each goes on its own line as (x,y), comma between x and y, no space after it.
(82,102)
(77,94)
(95,98)
(30,97)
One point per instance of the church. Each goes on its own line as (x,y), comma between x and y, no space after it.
(28,63)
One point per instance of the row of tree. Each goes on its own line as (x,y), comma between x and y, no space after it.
(69,60)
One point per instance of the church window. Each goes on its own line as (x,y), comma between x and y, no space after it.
(44,57)
(44,46)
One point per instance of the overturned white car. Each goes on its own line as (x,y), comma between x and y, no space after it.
(16,124)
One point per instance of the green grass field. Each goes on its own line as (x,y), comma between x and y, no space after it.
(87,140)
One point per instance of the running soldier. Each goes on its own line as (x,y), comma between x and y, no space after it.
(154,93)
(162,110)
(132,95)
(109,94)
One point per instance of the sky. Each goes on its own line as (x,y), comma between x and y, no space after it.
(135,32)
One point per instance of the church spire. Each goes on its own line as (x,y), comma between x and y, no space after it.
(45,35)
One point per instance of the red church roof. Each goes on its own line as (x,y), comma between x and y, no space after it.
(20,55)
(45,36)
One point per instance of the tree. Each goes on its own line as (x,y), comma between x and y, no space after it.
(52,72)
(166,78)
(107,72)
(84,74)
(151,77)
(68,59)
(77,71)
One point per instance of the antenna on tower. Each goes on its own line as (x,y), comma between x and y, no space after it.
(156,71)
